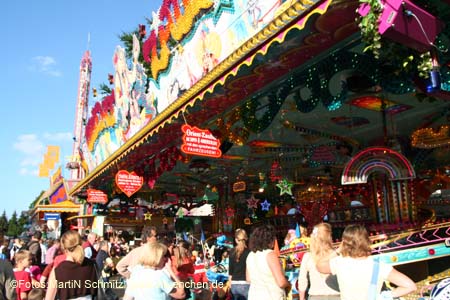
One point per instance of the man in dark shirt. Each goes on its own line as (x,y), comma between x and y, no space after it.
(7,287)
(34,247)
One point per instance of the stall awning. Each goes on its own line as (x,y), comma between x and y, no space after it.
(64,206)
(80,217)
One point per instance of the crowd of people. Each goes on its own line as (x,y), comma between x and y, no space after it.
(35,269)
(80,268)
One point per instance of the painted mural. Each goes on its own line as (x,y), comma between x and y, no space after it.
(221,26)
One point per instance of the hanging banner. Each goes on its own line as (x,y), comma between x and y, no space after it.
(96,196)
(200,142)
(129,183)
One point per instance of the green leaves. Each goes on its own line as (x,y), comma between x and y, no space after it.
(408,61)
(368,25)
(425,65)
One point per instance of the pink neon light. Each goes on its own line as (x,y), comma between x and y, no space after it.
(377,150)
(367,168)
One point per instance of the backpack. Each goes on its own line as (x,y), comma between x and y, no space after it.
(35,249)
(24,247)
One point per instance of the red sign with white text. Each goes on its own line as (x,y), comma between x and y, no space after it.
(96,196)
(200,142)
(129,183)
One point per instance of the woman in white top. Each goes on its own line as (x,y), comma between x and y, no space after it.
(154,278)
(264,271)
(354,268)
(321,248)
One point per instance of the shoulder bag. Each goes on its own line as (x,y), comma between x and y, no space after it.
(373,288)
(103,293)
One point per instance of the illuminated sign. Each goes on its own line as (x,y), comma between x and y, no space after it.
(96,196)
(52,216)
(200,142)
(129,183)
(239,186)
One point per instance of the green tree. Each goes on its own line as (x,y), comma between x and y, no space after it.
(3,223)
(22,222)
(32,204)
(13,227)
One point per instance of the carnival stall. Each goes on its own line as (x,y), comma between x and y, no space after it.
(234,113)
(53,209)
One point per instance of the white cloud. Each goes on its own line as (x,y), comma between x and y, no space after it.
(25,171)
(45,65)
(30,161)
(29,145)
(31,151)
(58,136)
(31,148)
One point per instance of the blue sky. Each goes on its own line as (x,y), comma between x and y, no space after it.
(43,43)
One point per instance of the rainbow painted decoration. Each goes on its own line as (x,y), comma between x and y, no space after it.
(372,159)
(376,103)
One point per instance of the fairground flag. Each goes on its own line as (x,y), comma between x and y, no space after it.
(57,176)
(50,159)
(43,170)
(202,236)
(297,231)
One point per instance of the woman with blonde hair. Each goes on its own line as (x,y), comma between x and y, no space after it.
(237,266)
(321,248)
(154,278)
(75,269)
(355,269)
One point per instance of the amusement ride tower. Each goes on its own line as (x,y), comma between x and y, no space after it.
(77,165)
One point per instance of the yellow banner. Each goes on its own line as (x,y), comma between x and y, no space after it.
(50,160)
(43,170)
(57,176)
(53,152)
